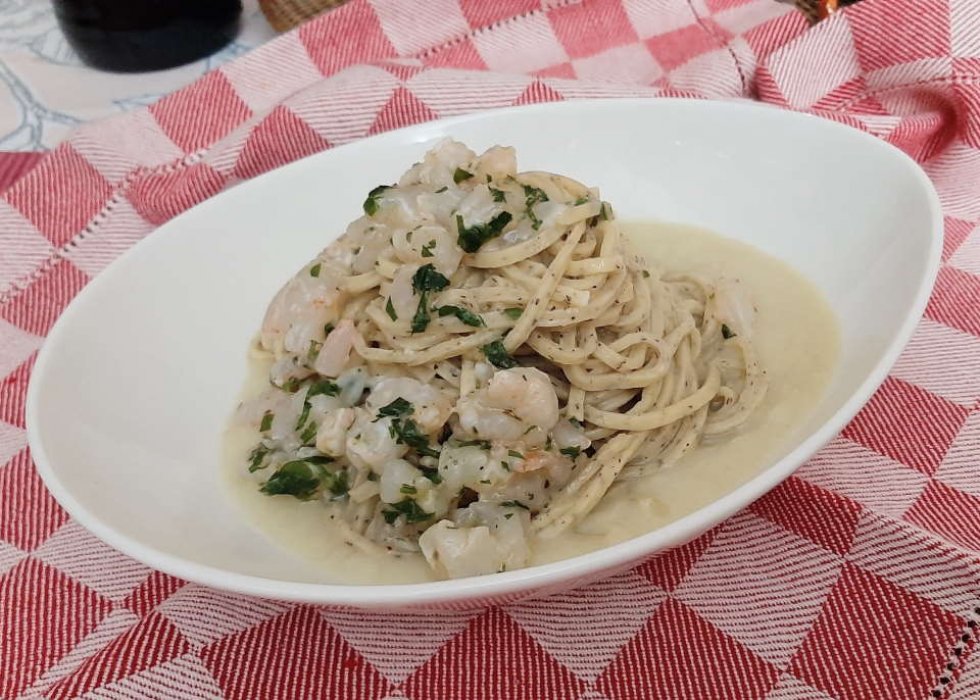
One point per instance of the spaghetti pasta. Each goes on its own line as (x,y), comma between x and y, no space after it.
(469,368)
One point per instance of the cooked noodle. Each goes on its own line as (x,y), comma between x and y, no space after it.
(471,403)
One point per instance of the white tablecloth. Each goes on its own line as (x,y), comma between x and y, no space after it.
(45,90)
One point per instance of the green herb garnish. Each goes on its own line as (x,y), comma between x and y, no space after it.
(304,414)
(406,432)
(322,386)
(461,175)
(432,474)
(580,200)
(442,189)
(410,509)
(513,313)
(533,195)
(726,332)
(390,310)
(427,249)
(315,270)
(470,239)
(256,458)
(313,351)
(498,195)
(303,478)
(515,453)
(408,490)
(371,203)
(266,421)
(572,452)
(498,356)
(426,279)
(291,385)
(398,407)
(482,444)
(297,478)
(309,433)
(464,315)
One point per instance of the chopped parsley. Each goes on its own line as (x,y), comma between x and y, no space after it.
(426,279)
(291,385)
(482,444)
(514,504)
(406,432)
(442,189)
(420,321)
(581,200)
(408,490)
(533,195)
(432,474)
(322,386)
(461,175)
(471,238)
(304,478)
(427,249)
(572,452)
(266,421)
(304,414)
(371,203)
(605,211)
(498,356)
(726,332)
(398,407)
(309,433)
(498,195)
(513,313)
(464,315)
(410,509)
(515,453)
(256,458)
(390,310)
(313,351)
(315,270)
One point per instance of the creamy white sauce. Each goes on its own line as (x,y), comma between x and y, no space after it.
(795,335)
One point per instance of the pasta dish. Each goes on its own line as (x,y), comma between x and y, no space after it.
(467,370)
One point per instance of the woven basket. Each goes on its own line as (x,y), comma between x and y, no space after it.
(283,15)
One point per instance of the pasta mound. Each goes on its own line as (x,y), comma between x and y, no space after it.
(467,370)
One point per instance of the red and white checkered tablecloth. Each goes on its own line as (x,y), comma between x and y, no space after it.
(857,578)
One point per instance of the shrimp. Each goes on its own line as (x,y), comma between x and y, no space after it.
(483,538)
(331,436)
(498,162)
(527,393)
(369,442)
(439,165)
(517,404)
(402,294)
(300,310)
(431,408)
(335,352)
(434,244)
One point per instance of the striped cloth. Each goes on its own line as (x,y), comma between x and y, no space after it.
(857,578)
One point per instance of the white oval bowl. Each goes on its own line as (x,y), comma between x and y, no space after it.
(133,387)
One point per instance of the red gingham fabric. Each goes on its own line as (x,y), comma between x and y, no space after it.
(858,578)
